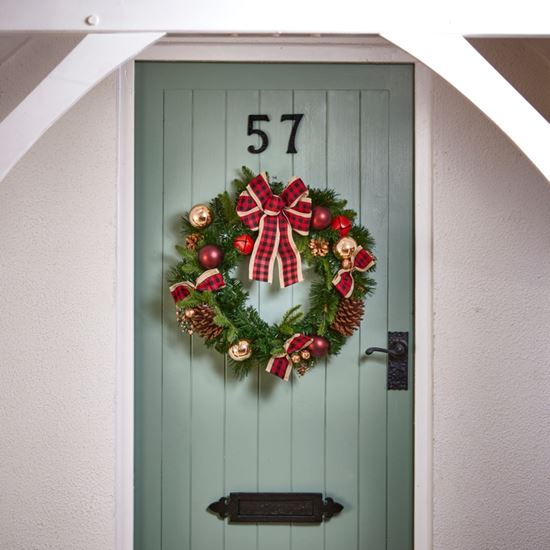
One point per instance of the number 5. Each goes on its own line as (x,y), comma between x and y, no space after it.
(263,136)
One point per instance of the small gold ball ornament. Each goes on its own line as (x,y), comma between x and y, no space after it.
(305,354)
(189,313)
(345,247)
(346,263)
(295,358)
(200,216)
(240,351)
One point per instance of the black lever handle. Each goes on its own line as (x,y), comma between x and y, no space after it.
(398,349)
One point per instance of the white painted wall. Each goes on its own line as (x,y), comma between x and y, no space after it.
(492,320)
(492,317)
(57,333)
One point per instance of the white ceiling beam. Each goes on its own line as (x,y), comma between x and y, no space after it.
(89,62)
(460,64)
(490,17)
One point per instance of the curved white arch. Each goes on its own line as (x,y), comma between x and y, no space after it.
(92,59)
(453,58)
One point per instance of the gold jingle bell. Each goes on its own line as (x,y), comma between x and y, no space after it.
(305,354)
(240,351)
(200,216)
(345,247)
(295,358)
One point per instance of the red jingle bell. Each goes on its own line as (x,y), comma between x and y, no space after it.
(319,347)
(320,217)
(341,224)
(244,244)
(210,256)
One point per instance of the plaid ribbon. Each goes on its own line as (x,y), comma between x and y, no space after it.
(274,217)
(209,280)
(281,365)
(361,260)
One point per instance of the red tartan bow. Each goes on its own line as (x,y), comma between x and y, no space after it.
(275,217)
(209,280)
(360,260)
(281,365)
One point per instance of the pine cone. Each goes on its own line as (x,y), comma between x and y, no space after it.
(192,240)
(318,247)
(202,322)
(348,316)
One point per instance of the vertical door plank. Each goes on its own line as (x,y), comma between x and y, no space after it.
(342,373)
(241,424)
(373,370)
(400,305)
(308,394)
(207,377)
(148,300)
(176,378)
(275,395)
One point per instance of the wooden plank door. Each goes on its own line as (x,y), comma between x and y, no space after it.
(200,433)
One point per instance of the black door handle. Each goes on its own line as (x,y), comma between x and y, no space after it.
(398,349)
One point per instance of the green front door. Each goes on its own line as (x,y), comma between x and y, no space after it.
(200,433)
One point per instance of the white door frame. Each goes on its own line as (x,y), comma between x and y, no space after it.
(288,49)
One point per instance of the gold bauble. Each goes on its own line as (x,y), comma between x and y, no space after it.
(200,216)
(189,313)
(240,351)
(295,358)
(347,263)
(345,247)
(305,354)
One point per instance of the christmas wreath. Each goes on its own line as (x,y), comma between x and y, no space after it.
(272,222)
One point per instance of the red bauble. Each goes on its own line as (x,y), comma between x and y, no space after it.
(210,256)
(320,217)
(244,244)
(319,347)
(342,225)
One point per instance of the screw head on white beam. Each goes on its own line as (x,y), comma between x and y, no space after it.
(92,20)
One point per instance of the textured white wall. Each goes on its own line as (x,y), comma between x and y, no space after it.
(57,334)
(492,320)
(492,317)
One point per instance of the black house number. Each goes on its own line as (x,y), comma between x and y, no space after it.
(291,147)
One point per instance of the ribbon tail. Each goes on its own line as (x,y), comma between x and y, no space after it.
(210,280)
(280,366)
(264,252)
(363,259)
(180,291)
(290,262)
(344,283)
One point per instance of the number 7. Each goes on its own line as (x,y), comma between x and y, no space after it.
(291,148)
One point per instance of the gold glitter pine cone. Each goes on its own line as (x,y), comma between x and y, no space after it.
(192,240)
(319,247)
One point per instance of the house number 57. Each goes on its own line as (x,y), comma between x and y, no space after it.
(252,119)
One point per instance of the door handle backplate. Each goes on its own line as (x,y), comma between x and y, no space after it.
(398,360)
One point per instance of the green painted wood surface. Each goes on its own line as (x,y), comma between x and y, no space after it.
(200,433)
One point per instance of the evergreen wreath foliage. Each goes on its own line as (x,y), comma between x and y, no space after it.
(240,320)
